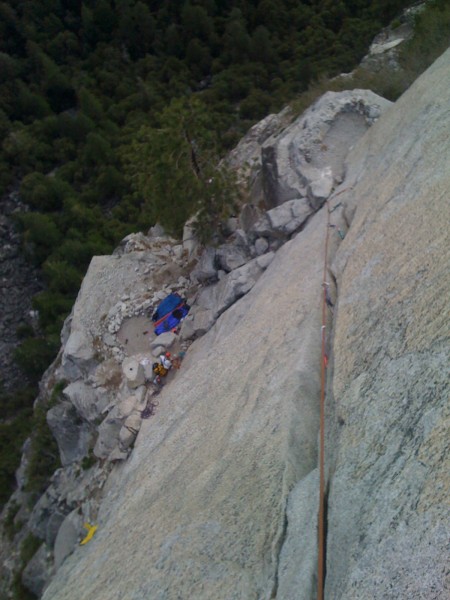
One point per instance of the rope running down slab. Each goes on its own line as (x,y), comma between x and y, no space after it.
(321,515)
(323,375)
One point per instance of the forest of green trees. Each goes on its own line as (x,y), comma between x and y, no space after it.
(92,93)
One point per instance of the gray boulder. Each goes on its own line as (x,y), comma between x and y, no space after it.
(73,435)
(198,322)
(134,372)
(68,536)
(206,268)
(261,246)
(79,355)
(53,525)
(157,231)
(118,455)
(231,256)
(108,434)
(283,220)
(41,515)
(190,240)
(88,401)
(164,340)
(249,215)
(129,430)
(246,157)
(129,404)
(217,298)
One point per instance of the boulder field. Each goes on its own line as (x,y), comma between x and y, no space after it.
(218,499)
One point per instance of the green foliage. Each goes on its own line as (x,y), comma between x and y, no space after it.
(33,356)
(10,526)
(41,234)
(13,402)
(29,547)
(16,409)
(62,277)
(430,40)
(19,591)
(53,307)
(44,193)
(10,450)
(174,167)
(255,106)
(24,330)
(44,456)
(89,461)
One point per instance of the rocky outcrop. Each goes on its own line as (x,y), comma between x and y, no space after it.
(246,157)
(383,52)
(233,433)
(307,160)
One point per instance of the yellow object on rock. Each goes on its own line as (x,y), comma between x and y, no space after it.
(91,529)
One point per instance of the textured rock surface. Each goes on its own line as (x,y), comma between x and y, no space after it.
(73,435)
(217,298)
(98,294)
(308,158)
(206,268)
(198,509)
(89,402)
(283,220)
(134,372)
(68,535)
(217,499)
(298,557)
(388,518)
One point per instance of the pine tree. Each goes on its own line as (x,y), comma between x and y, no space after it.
(175,170)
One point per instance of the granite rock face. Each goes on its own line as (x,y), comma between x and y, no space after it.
(388,513)
(198,510)
(219,497)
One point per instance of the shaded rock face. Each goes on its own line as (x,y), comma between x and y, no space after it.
(74,436)
(246,157)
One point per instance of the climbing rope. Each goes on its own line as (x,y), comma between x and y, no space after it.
(326,302)
(324,362)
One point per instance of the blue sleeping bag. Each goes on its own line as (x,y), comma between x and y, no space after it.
(172,320)
(166,306)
